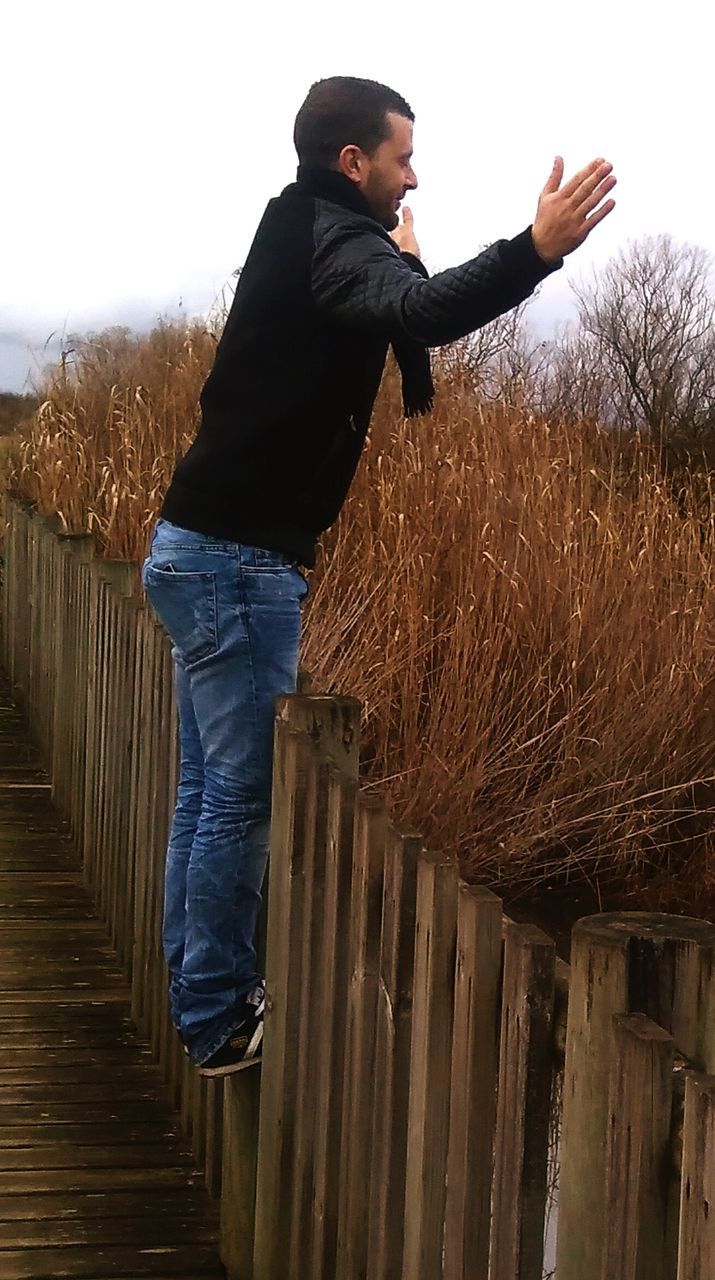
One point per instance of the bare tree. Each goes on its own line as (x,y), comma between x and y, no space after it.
(572,384)
(500,361)
(647,331)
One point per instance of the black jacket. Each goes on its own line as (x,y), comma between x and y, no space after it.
(287,405)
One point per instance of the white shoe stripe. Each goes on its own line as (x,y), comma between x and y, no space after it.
(254,1042)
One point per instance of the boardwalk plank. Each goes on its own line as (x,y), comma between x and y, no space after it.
(92,1204)
(111,1133)
(115,1071)
(106,1231)
(53,1038)
(108,1263)
(164,1151)
(79,1113)
(19,1184)
(119,1089)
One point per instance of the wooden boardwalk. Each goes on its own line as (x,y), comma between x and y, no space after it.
(95,1179)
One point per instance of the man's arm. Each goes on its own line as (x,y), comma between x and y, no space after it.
(359,276)
(363,280)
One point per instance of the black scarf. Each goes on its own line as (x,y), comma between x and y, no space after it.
(412,357)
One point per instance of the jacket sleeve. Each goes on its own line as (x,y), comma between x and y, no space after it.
(362,279)
(415,263)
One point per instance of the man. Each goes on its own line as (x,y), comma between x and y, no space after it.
(331,281)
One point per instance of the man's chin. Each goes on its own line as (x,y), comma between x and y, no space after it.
(386,216)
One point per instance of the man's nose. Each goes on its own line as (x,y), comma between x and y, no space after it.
(412,184)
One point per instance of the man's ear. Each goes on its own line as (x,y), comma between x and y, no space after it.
(350,162)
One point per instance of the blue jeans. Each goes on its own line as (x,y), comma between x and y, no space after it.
(233,615)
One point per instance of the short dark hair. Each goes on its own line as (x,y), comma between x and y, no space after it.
(344,110)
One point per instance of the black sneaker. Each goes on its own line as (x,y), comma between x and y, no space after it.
(244,1045)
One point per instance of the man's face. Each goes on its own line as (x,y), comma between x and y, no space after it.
(386,175)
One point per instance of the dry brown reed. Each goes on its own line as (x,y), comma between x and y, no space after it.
(114,415)
(523,607)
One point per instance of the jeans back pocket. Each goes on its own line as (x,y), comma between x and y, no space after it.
(186,605)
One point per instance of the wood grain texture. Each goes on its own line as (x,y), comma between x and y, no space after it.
(431,1066)
(696,1260)
(621,963)
(523,1104)
(639,1111)
(473,1087)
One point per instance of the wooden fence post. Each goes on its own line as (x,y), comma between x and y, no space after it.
(46,528)
(524,1104)
(639,1110)
(12,578)
(308,1030)
(363,943)
(331,723)
(696,1256)
(241,1101)
(122,887)
(162,803)
(9,578)
(392,1056)
(331,999)
(21,603)
(328,727)
(93,713)
(148,656)
(473,1087)
(82,669)
(432,1014)
(621,963)
(68,744)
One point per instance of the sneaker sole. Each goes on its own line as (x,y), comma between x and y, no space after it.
(231,1068)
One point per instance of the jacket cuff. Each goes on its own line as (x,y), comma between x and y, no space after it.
(415,263)
(522,260)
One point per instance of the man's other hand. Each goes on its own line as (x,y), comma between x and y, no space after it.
(567,215)
(404,235)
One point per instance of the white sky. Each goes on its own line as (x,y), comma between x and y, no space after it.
(142,141)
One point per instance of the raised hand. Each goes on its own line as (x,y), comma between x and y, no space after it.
(567,215)
(404,234)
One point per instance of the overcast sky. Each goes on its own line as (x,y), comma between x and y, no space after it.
(142,141)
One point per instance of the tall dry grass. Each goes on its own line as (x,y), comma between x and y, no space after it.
(523,606)
(114,415)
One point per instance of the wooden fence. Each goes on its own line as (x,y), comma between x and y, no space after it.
(400,1125)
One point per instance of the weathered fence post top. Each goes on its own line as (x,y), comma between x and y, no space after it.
(332,723)
(615,926)
(77,542)
(51,524)
(120,574)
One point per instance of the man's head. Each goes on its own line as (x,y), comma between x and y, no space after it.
(364,130)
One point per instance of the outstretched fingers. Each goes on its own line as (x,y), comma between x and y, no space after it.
(597,195)
(600,214)
(594,188)
(583,177)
